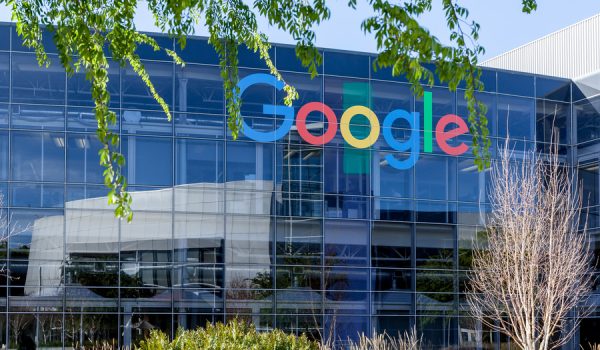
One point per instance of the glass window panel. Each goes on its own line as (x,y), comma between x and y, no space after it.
(152,198)
(145,122)
(346,242)
(92,328)
(5,30)
(286,60)
(345,63)
(350,207)
(238,201)
(37,195)
(473,213)
(435,246)
(392,182)
(472,183)
(84,119)
(4,115)
(299,277)
(199,242)
(47,41)
(40,281)
(201,198)
(199,89)
(515,84)
(391,253)
(301,169)
(30,82)
(299,204)
(148,239)
(439,331)
(473,333)
(208,126)
(553,121)
(385,73)
(197,50)
(250,288)
(250,58)
(438,212)
(149,160)
(38,156)
(76,192)
(299,241)
(342,175)
(258,124)
(347,327)
(443,103)
(467,238)
(158,316)
(393,210)
(35,330)
(387,97)
(435,178)
(492,113)
(488,78)
(248,242)
(393,325)
(4,74)
(589,177)
(309,90)
(341,282)
(4,155)
(588,119)
(199,162)
(83,162)
(250,165)
(135,93)
(255,96)
(79,89)
(516,117)
(38,117)
(38,235)
(92,237)
(147,52)
(85,273)
(391,245)
(553,89)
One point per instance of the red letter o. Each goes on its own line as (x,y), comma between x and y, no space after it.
(301,123)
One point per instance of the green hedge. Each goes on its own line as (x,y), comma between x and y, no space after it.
(236,335)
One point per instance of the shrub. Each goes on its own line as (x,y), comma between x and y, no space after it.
(235,335)
(383,341)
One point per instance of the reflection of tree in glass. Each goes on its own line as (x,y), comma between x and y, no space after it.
(433,275)
(103,284)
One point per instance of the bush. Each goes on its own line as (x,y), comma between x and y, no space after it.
(383,341)
(235,335)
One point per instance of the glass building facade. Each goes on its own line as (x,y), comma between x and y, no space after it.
(286,234)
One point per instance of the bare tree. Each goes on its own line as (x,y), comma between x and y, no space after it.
(8,228)
(533,267)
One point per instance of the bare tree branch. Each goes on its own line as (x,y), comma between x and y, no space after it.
(533,269)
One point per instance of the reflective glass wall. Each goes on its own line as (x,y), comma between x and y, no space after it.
(284,234)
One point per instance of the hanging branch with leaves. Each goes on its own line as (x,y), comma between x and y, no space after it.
(84,31)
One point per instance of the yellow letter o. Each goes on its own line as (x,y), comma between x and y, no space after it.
(345,127)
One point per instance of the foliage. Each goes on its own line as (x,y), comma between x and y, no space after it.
(85,32)
(235,335)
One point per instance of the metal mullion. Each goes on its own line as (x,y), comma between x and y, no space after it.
(7,200)
(173,174)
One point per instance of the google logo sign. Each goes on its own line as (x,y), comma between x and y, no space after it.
(442,135)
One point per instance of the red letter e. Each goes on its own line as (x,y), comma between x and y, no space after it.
(442,136)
